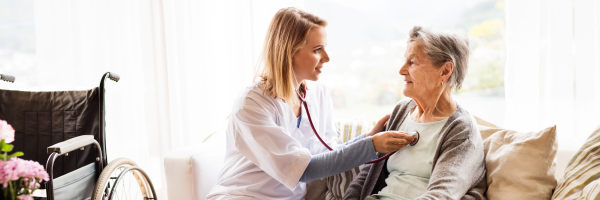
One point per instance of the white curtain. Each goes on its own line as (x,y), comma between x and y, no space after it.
(181,65)
(552,72)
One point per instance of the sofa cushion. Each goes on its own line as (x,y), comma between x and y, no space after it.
(520,165)
(347,129)
(316,189)
(583,172)
(191,172)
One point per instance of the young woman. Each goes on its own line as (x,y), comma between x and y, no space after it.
(272,148)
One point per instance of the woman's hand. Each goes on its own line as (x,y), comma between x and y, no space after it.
(390,141)
(379,126)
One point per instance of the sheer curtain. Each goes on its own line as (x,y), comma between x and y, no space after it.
(181,65)
(552,72)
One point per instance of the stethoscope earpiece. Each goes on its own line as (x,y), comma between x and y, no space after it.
(415,136)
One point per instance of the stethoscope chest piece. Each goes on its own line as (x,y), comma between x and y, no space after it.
(415,136)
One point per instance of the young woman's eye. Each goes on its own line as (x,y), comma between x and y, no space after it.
(317,50)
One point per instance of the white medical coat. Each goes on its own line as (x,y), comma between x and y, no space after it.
(266,152)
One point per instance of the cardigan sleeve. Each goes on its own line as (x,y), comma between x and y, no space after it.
(459,169)
(355,188)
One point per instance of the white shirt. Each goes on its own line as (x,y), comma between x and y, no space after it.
(410,167)
(266,153)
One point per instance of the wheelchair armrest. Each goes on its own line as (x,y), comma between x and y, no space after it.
(71,144)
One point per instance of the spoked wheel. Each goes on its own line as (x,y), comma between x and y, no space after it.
(123,179)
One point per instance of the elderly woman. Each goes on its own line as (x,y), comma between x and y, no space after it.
(447,162)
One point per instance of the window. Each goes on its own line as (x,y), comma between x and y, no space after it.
(17,43)
(367,41)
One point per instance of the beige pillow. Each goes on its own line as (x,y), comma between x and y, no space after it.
(520,165)
(482,122)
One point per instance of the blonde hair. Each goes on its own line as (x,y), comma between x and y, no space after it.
(285,36)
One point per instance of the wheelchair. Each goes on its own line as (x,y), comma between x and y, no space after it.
(73,121)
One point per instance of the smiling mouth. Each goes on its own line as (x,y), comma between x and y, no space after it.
(318,69)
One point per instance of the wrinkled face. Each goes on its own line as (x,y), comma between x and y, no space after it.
(422,78)
(308,60)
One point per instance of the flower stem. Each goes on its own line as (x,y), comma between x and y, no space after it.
(12,190)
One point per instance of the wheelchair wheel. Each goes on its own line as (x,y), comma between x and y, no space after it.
(123,179)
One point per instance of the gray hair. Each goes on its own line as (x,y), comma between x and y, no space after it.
(441,47)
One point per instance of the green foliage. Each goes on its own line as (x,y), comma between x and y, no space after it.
(486,29)
(489,30)
(5,149)
(484,75)
(8,157)
(483,11)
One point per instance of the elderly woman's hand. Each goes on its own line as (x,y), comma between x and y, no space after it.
(379,126)
(390,141)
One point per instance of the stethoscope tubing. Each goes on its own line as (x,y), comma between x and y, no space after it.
(313,126)
(310,119)
(415,133)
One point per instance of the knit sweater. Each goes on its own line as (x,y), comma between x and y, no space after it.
(458,170)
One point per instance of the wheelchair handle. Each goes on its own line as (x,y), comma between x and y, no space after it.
(113,76)
(7,78)
(102,136)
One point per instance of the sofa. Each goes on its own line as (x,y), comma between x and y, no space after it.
(191,172)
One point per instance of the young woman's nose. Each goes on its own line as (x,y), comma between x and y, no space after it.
(325,57)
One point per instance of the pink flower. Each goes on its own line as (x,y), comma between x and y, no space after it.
(7,133)
(16,168)
(7,172)
(25,197)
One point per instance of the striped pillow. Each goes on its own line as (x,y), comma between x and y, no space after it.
(582,174)
(591,191)
(337,184)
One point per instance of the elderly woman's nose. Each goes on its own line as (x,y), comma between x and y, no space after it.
(403,69)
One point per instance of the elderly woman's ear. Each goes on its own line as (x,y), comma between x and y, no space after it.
(446,71)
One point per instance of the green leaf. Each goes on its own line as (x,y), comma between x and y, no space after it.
(7,147)
(16,154)
(2,144)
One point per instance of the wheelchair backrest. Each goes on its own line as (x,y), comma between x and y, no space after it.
(41,119)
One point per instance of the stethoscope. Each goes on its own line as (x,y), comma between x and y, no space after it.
(414,134)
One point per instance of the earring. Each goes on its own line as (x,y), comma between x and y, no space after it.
(442,83)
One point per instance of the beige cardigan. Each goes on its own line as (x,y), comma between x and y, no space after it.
(458,170)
